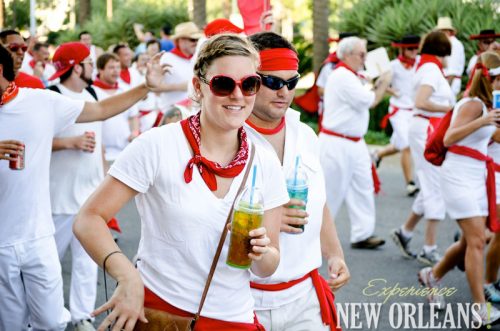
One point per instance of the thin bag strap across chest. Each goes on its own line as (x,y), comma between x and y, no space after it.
(223,235)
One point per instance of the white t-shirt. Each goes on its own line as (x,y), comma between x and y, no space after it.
(33,117)
(402,79)
(135,80)
(301,140)
(325,71)
(75,174)
(347,104)
(115,130)
(148,105)
(182,223)
(429,74)
(472,63)
(48,71)
(181,71)
(456,61)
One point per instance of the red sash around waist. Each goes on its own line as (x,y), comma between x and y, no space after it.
(385,119)
(325,295)
(492,220)
(376,180)
(151,300)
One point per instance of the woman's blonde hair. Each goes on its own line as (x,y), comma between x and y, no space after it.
(224,45)
(481,85)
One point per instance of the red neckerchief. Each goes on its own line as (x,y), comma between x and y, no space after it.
(427,58)
(125,75)
(332,58)
(33,62)
(105,86)
(344,65)
(178,52)
(265,131)
(208,169)
(9,94)
(406,61)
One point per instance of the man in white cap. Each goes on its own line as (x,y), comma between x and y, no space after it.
(456,61)
(175,85)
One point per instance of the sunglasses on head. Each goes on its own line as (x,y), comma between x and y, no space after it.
(15,47)
(222,86)
(276,83)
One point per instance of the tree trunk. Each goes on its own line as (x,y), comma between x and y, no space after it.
(200,13)
(320,32)
(84,12)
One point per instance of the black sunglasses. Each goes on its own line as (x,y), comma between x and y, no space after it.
(276,83)
(222,86)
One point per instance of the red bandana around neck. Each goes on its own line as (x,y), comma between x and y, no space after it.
(105,86)
(342,64)
(273,59)
(33,62)
(9,94)
(179,53)
(208,169)
(125,75)
(265,131)
(332,58)
(406,61)
(427,58)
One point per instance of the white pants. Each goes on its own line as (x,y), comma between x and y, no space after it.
(83,289)
(400,123)
(302,314)
(348,176)
(31,290)
(429,201)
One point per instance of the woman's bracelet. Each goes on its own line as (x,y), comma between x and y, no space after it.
(107,257)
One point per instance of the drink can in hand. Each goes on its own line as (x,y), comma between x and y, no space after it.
(18,163)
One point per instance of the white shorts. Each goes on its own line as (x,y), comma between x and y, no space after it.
(400,123)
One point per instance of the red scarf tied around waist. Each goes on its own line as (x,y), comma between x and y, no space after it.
(208,169)
(427,58)
(492,220)
(9,94)
(325,295)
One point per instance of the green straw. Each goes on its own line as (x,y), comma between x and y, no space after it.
(254,173)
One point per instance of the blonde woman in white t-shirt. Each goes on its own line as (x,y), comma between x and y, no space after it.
(464,183)
(184,177)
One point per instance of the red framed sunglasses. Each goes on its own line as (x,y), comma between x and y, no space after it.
(222,86)
(15,47)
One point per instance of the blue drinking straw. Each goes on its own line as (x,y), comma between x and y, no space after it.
(254,174)
(296,170)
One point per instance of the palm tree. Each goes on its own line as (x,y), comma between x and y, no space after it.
(199,13)
(320,32)
(84,12)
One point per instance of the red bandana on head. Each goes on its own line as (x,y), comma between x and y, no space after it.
(125,75)
(478,67)
(406,61)
(208,169)
(427,58)
(105,86)
(9,94)
(265,131)
(179,53)
(274,59)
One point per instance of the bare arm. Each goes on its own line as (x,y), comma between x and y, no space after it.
(381,86)
(338,273)
(496,136)
(265,244)
(321,91)
(164,87)
(422,101)
(468,120)
(134,125)
(82,142)
(91,230)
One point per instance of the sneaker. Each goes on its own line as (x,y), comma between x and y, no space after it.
(84,325)
(369,243)
(402,242)
(487,316)
(429,258)
(491,292)
(425,278)
(375,158)
(411,189)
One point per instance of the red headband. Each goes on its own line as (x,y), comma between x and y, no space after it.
(278,59)
(484,70)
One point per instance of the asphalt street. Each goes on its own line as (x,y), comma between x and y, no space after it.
(377,276)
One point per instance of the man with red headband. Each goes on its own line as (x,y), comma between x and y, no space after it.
(295,297)
(175,85)
(343,152)
(400,108)
(76,169)
(30,272)
(17,48)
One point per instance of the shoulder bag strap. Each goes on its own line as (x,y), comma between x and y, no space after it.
(223,236)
